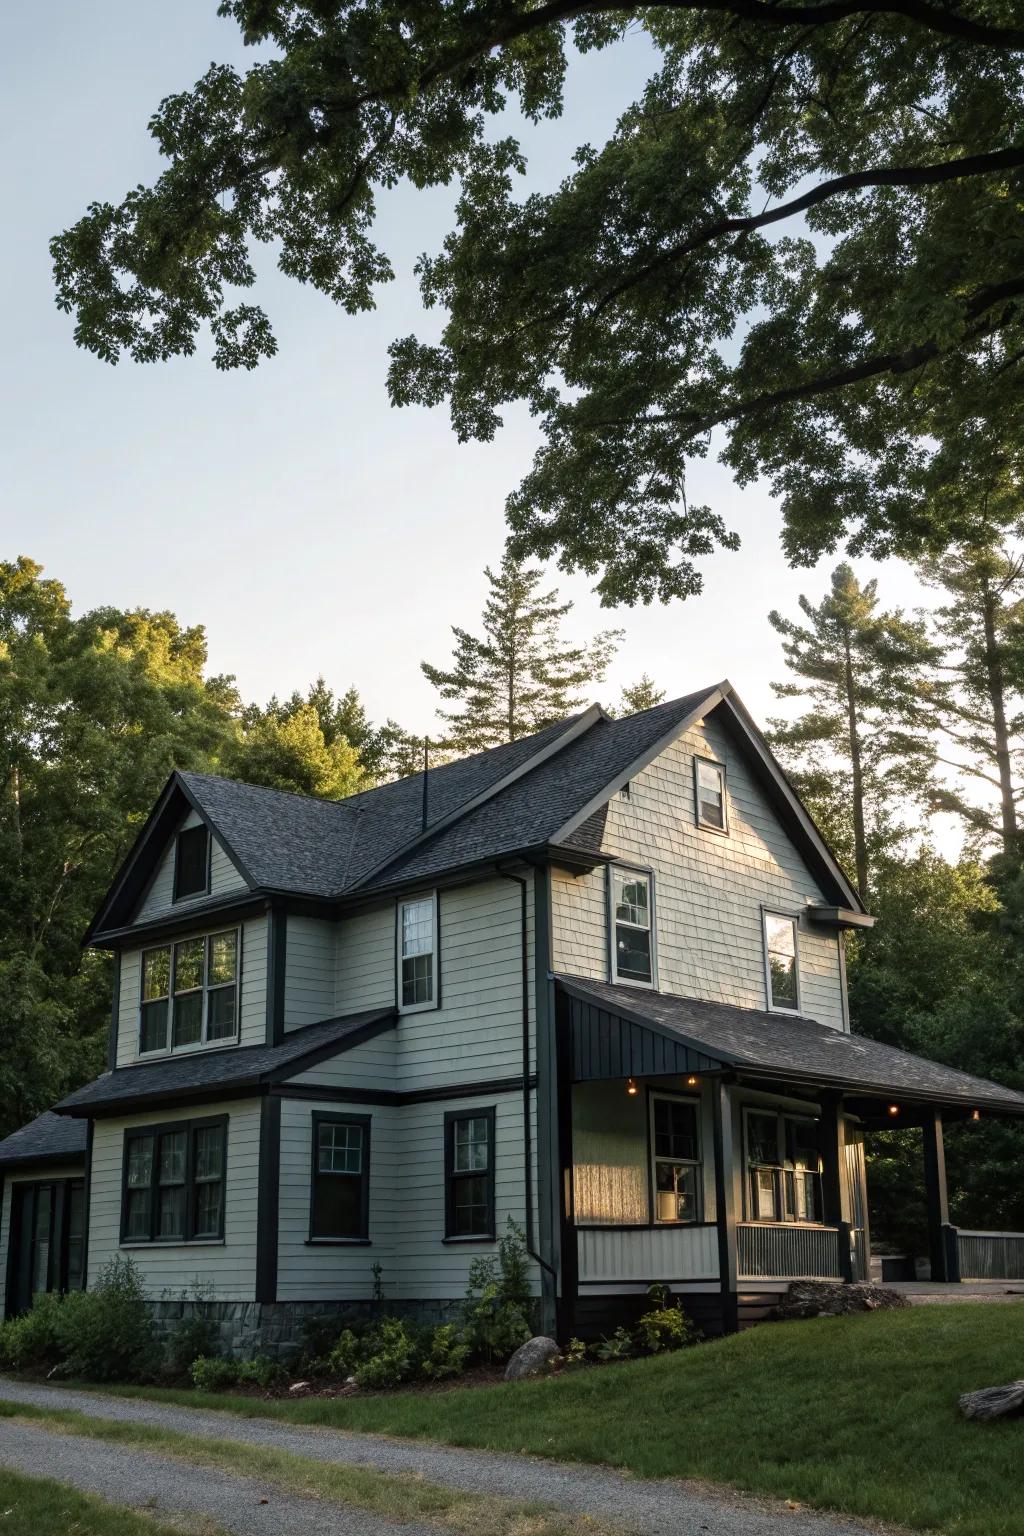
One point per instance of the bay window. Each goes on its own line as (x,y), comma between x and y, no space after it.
(190,993)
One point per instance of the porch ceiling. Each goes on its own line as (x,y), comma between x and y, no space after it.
(688,1035)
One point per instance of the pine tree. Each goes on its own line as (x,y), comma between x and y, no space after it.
(519,675)
(866,731)
(643,694)
(979,688)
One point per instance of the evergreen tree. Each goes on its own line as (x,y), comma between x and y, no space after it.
(519,675)
(978,695)
(643,694)
(862,672)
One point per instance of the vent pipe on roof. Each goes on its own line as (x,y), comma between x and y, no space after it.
(426,770)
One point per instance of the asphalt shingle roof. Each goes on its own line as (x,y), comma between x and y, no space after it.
(758,1040)
(49,1138)
(208,1073)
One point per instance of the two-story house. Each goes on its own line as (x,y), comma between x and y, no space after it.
(592,980)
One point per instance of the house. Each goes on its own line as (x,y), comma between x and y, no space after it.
(592,980)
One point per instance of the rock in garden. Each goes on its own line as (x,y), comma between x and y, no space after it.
(826,1298)
(298,1386)
(533,1356)
(993,1402)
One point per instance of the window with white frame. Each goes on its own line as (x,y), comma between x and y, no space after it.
(781,958)
(675,1158)
(709,792)
(189,993)
(783,1167)
(417,953)
(632,926)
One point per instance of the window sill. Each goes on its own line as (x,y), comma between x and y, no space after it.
(174,1242)
(473,1237)
(339,1242)
(149,1057)
(705,826)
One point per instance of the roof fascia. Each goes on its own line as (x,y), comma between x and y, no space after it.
(590,716)
(888,1091)
(231,905)
(42,1160)
(710,701)
(128,864)
(786,798)
(839,917)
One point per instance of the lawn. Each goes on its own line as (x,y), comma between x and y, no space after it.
(857,1414)
(31,1506)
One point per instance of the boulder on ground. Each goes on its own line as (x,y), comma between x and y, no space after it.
(834,1298)
(533,1356)
(993,1402)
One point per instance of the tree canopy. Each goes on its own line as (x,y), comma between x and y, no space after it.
(805,232)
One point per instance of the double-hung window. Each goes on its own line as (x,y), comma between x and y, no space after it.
(781,959)
(783,1167)
(417,953)
(340,1203)
(191,863)
(190,993)
(709,793)
(173,1188)
(632,926)
(469,1173)
(675,1158)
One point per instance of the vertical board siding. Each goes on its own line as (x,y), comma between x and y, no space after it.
(252,1001)
(659,1253)
(709,889)
(224,1270)
(26,1175)
(309,971)
(767,1251)
(159,897)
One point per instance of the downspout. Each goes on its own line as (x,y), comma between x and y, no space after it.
(531,1246)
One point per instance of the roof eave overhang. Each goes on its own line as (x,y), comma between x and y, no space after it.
(882,1092)
(42,1160)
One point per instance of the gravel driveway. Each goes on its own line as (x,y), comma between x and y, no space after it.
(136,1477)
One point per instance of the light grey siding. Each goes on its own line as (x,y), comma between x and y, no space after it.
(309,971)
(159,897)
(709,890)
(252,1001)
(224,1270)
(27,1175)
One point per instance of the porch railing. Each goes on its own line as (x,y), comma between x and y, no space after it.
(990,1255)
(768,1251)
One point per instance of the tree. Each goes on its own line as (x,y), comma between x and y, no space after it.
(862,671)
(519,676)
(979,694)
(284,747)
(385,751)
(805,232)
(643,694)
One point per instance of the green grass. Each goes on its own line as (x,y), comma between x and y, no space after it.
(857,1414)
(397,1497)
(31,1506)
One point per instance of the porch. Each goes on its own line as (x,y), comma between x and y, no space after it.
(720,1151)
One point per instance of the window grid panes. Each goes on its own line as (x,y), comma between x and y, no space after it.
(676,1156)
(189,993)
(470,1197)
(631,899)
(174,1183)
(781,951)
(710,795)
(783,1168)
(417,952)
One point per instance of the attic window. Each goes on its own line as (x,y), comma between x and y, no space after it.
(192,863)
(709,791)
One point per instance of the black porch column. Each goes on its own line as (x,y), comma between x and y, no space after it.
(943,1261)
(833,1156)
(725,1202)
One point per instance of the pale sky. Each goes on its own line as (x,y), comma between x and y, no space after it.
(309,526)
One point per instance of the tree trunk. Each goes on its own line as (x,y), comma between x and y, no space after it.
(860,844)
(996,685)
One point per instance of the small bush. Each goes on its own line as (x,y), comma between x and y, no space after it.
(445,1354)
(662,1328)
(498,1302)
(347,1352)
(37,1340)
(113,1338)
(193,1337)
(390,1356)
(268,1375)
(212,1374)
(621,1346)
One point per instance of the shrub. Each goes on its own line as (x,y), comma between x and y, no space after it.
(348,1352)
(498,1303)
(445,1354)
(37,1340)
(390,1356)
(195,1336)
(112,1338)
(621,1346)
(266,1374)
(211,1374)
(662,1327)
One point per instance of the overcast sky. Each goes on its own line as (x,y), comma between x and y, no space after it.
(309,526)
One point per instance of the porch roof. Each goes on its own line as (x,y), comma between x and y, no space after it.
(49,1138)
(757,1044)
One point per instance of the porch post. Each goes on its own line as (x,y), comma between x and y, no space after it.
(725,1202)
(833,1154)
(936,1196)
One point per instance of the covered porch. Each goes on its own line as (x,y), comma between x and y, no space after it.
(720,1151)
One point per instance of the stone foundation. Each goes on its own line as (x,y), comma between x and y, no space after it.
(282,1330)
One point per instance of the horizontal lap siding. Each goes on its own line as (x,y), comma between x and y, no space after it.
(309,972)
(709,889)
(226,1271)
(159,897)
(364,974)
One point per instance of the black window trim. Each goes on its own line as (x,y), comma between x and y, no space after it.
(224,1042)
(708,826)
(488,1113)
(653,1160)
(164,1127)
(648,874)
(362,1239)
(204,890)
(57,1265)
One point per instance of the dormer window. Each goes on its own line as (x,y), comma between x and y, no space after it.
(417,953)
(709,790)
(192,863)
